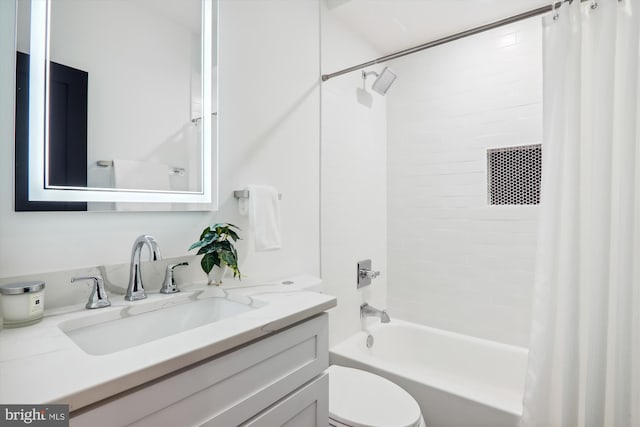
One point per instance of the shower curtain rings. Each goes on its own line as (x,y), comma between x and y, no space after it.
(554,9)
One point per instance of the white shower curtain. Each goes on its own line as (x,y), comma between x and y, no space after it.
(584,358)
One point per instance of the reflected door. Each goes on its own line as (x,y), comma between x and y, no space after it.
(67,134)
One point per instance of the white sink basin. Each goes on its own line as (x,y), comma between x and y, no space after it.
(106,333)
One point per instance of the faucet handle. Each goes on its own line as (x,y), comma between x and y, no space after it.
(368,274)
(365,273)
(169,285)
(98,297)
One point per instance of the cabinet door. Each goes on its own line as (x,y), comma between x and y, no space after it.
(307,407)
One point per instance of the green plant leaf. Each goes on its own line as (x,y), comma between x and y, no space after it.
(225,246)
(196,245)
(229,258)
(204,250)
(233,235)
(210,237)
(217,245)
(204,232)
(209,261)
(225,225)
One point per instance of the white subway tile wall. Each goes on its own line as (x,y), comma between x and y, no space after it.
(455,262)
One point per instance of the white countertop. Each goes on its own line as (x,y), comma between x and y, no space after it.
(40,364)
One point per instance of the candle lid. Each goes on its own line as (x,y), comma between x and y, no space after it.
(21,288)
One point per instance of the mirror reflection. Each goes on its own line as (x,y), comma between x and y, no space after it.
(125,93)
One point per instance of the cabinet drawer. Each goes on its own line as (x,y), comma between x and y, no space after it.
(307,407)
(226,390)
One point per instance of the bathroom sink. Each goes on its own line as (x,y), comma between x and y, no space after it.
(105,333)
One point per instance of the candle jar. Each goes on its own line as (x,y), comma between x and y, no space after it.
(21,304)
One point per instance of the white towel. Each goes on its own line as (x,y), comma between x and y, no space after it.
(264,217)
(135,175)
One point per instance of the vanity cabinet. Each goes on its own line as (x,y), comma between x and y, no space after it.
(274,381)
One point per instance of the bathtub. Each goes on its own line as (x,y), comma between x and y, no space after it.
(457,380)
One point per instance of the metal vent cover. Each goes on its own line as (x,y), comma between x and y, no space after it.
(513,175)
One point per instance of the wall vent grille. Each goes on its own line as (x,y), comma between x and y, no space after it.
(513,175)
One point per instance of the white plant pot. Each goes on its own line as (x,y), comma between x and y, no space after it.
(217,274)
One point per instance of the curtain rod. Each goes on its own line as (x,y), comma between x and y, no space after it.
(510,20)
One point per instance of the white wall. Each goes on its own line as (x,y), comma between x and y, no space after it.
(269,127)
(354,219)
(455,262)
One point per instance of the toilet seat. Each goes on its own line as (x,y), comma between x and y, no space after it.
(361,399)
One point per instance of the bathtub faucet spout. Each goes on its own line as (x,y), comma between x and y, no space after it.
(367,310)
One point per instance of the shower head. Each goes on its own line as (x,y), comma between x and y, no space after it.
(383,81)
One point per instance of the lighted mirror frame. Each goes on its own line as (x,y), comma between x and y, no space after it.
(39,190)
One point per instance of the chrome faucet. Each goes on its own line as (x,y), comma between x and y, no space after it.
(98,297)
(169,285)
(367,310)
(135,290)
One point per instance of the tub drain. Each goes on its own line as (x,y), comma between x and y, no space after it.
(369,341)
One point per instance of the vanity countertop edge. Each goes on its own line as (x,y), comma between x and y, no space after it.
(39,364)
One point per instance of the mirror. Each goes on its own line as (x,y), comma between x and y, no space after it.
(120,100)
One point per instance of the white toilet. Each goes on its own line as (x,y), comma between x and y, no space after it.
(361,399)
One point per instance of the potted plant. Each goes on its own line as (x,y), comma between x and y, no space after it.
(217,244)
